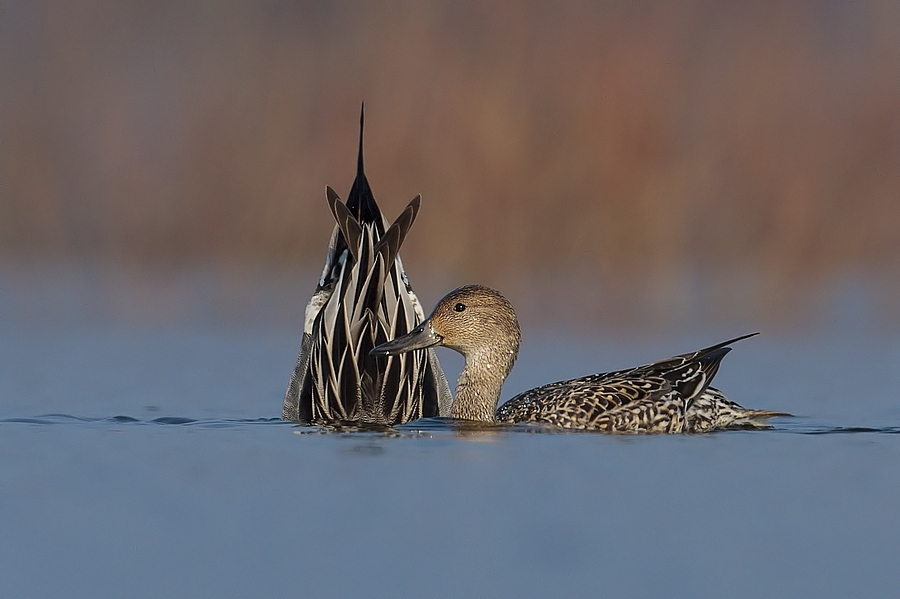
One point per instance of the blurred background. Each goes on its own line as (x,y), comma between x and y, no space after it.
(641,178)
(617,166)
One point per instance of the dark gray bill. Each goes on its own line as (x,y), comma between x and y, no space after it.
(419,338)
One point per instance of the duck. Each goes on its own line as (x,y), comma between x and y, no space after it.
(362,299)
(668,396)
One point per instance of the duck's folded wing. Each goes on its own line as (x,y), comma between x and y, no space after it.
(600,402)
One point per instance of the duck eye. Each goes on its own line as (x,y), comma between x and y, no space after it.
(459,307)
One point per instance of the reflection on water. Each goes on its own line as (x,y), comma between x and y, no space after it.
(259,507)
(427,427)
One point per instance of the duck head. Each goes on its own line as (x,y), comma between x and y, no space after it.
(474,320)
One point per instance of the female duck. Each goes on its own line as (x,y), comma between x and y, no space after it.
(669,396)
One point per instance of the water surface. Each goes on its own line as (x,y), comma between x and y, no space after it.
(150,462)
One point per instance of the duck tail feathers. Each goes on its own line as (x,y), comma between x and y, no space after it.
(361,201)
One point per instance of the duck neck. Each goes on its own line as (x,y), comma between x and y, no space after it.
(480,381)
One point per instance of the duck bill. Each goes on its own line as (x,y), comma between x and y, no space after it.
(421,337)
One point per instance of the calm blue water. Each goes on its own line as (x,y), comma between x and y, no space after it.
(148,462)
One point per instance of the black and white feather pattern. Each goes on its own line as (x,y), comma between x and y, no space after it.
(363,299)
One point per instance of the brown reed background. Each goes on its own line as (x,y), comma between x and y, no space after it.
(589,157)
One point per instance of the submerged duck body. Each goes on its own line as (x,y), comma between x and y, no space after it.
(363,298)
(668,396)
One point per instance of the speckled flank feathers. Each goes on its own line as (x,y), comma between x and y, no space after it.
(711,410)
(669,396)
(363,298)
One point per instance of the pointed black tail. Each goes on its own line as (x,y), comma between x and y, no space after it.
(361,202)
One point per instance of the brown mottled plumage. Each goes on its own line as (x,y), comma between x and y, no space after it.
(669,396)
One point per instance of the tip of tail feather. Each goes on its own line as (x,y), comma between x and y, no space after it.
(362,121)
(726,344)
(766,414)
(361,201)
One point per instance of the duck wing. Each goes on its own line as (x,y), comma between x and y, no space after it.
(649,398)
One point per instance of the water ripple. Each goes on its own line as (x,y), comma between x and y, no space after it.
(423,427)
(818,429)
(57,419)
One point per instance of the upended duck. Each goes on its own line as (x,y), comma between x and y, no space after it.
(363,298)
(669,396)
